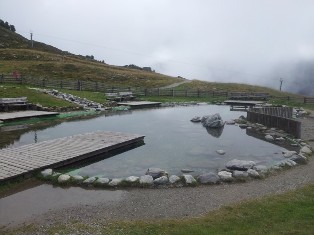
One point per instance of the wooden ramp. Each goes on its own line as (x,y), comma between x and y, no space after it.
(59,152)
(12,116)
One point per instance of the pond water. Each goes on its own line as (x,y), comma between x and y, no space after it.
(172,142)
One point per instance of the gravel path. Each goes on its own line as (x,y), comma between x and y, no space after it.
(148,204)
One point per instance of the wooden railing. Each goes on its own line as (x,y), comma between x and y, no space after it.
(278,117)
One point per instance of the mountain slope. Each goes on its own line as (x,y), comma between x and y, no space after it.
(47,61)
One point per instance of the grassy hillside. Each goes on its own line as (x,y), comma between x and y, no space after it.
(49,62)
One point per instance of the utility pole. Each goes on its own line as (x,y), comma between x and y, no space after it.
(32,44)
(281,81)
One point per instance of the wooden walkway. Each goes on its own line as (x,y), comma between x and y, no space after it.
(55,153)
(243,102)
(12,116)
(140,104)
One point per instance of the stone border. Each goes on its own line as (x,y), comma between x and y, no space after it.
(235,171)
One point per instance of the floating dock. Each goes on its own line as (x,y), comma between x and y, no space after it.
(140,104)
(26,159)
(13,116)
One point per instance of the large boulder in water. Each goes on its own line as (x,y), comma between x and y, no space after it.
(212,121)
(156,172)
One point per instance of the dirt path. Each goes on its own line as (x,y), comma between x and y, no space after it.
(149,204)
(175,84)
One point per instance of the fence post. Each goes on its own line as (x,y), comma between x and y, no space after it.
(213,93)
(158,92)
(145,91)
(96,86)
(61,85)
(44,82)
(198,93)
(305,100)
(186,93)
(2,78)
(172,91)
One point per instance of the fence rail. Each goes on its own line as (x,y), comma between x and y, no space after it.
(285,112)
(85,85)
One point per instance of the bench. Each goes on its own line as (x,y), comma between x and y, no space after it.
(13,103)
(120,96)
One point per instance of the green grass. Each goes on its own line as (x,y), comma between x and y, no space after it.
(288,213)
(33,96)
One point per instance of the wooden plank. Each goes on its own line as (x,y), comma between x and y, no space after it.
(140,104)
(54,153)
(24,114)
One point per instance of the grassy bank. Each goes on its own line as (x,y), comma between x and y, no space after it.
(288,213)
(33,96)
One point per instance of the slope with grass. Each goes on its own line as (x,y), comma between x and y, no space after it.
(49,62)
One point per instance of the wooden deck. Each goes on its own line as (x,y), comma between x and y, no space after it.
(59,152)
(140,104)
(243,102)
(13,116)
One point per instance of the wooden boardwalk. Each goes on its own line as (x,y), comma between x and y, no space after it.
(12,116)
(243,102)
(140,104)
(55,153)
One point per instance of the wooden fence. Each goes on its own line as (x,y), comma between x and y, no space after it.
(86,85)
(285,112)
(274,117)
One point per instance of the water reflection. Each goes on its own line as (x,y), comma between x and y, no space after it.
(215,132)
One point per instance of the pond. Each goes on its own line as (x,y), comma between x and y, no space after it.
(172,142)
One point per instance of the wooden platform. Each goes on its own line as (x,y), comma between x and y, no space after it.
(243,102)
(59,152)
(140,104)
(13,116)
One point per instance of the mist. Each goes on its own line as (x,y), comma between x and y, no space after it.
(245,41)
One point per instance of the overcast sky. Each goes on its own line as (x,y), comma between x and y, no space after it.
(214,40)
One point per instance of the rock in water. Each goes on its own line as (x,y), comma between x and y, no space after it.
(186,171)
(196,119)
(240,174)
(288,154)
(115,182)
(221,152)
(89,180)
(161,180)
(47,172)
(156,172)
(269,137)
(306,150)
(209,178)
(241,165)
(102,181)
(63,178)
(189,179)
(174,179)
(212,121)
(77,178)
(253,173)
(146,179)
(225,176)
(132,179)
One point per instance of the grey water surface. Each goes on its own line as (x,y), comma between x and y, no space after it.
(172,142)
